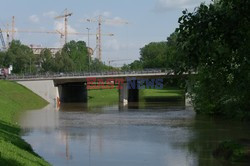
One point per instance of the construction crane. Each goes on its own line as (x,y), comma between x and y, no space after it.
(55,32)
(62,34)
(13,28)
(100,20)
(2,39)
(65,16)
(30,31)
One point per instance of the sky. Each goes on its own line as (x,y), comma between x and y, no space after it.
(148,21)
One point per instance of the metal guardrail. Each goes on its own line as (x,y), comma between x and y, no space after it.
(59,75)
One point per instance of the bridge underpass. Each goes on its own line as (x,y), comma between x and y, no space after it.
(77,92)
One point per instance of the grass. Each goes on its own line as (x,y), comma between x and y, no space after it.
(15,99)
(110,96)
(166,94)
(102,97)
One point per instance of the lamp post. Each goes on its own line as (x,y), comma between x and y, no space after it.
(88,47)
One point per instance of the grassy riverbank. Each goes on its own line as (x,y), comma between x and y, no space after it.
(110,96)
(15,99)
(166,94)
(102,97)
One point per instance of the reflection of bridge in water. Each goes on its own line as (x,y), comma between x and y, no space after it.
(72,87)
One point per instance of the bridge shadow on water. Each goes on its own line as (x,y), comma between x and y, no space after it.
(164,104)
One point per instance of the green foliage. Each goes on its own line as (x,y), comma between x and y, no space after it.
(76,54)
(72,58)
(20,56)
(160,55)
(136,65)
(63,63)
(97,66)
(153,55)
(216,42)
(232,150)
(48,63)
(13,149)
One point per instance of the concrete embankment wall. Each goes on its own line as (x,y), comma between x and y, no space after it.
(45,89)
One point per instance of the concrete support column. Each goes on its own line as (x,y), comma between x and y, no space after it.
(73,93)
(123,94)
(188,101)
(127,94)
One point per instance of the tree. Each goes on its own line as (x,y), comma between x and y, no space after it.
(21,57)
(174,56)
(216,42)
(97,66)
(153,55)
(167,54)
(78,53)
(136,65)
(47,61)
(63,63)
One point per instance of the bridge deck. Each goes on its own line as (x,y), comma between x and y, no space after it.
(82,77)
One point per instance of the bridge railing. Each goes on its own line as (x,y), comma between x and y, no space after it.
(79,74)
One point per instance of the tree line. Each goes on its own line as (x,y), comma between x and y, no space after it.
(72,58)
(214,41)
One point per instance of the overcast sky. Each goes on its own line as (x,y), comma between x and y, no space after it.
(149,21)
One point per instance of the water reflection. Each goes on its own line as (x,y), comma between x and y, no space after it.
(115,135)
(210,132)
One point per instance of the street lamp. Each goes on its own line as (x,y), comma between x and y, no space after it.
(88,35)
(88,47)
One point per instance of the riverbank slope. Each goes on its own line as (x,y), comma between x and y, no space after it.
(15,99)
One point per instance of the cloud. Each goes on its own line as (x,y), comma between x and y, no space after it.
(59,25)
(166,5)
(50,14)
(106,14)
(115,45)
(34,18)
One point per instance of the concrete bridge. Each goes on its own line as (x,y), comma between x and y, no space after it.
(72,87)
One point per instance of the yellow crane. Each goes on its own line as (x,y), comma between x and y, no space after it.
(62,34)
(65,16)
(100,20)
(53,32)
(13,28)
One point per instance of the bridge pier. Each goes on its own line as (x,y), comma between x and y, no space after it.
(127,94)
(188,100)
(123,94)
(73,92)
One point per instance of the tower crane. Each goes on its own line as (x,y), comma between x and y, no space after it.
(56,32)
(65,16)
(62,34)
(13,28)
(100,20)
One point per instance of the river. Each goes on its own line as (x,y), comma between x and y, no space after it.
(152,135)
